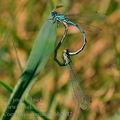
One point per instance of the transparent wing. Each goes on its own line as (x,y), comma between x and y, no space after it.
(80,97)
(89,22)
(90,27)
(86,16)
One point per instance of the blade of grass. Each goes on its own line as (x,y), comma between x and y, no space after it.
(8,88)
(26,102)
(16,54)
(42,48)
(118,60)
(35,110)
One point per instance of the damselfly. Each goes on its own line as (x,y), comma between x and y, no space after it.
(56,17)
(82,100)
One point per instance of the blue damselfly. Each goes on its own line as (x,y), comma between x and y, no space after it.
(79,95)
(56,17)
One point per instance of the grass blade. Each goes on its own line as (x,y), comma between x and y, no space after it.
(8,88)
(26,102)
(42,48)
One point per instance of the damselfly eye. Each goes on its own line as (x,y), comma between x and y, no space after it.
(53,13)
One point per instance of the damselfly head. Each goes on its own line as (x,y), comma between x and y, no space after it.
(53,13)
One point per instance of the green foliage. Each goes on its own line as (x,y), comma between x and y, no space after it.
(27,102)
(118,60)
(42,48)
(8,88)
(112,7)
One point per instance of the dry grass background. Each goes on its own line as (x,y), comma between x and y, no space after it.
(98,66)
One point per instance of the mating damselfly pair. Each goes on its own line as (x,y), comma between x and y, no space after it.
(81,98)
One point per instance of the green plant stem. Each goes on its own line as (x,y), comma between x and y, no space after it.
(35,110)
(26,102)
(8,88)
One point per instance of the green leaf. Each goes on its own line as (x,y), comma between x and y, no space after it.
(35,110)
(113,6)
(26,102)
(8,88)
(42,49)
(118,61)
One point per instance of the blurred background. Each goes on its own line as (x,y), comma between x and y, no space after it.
(98,67)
